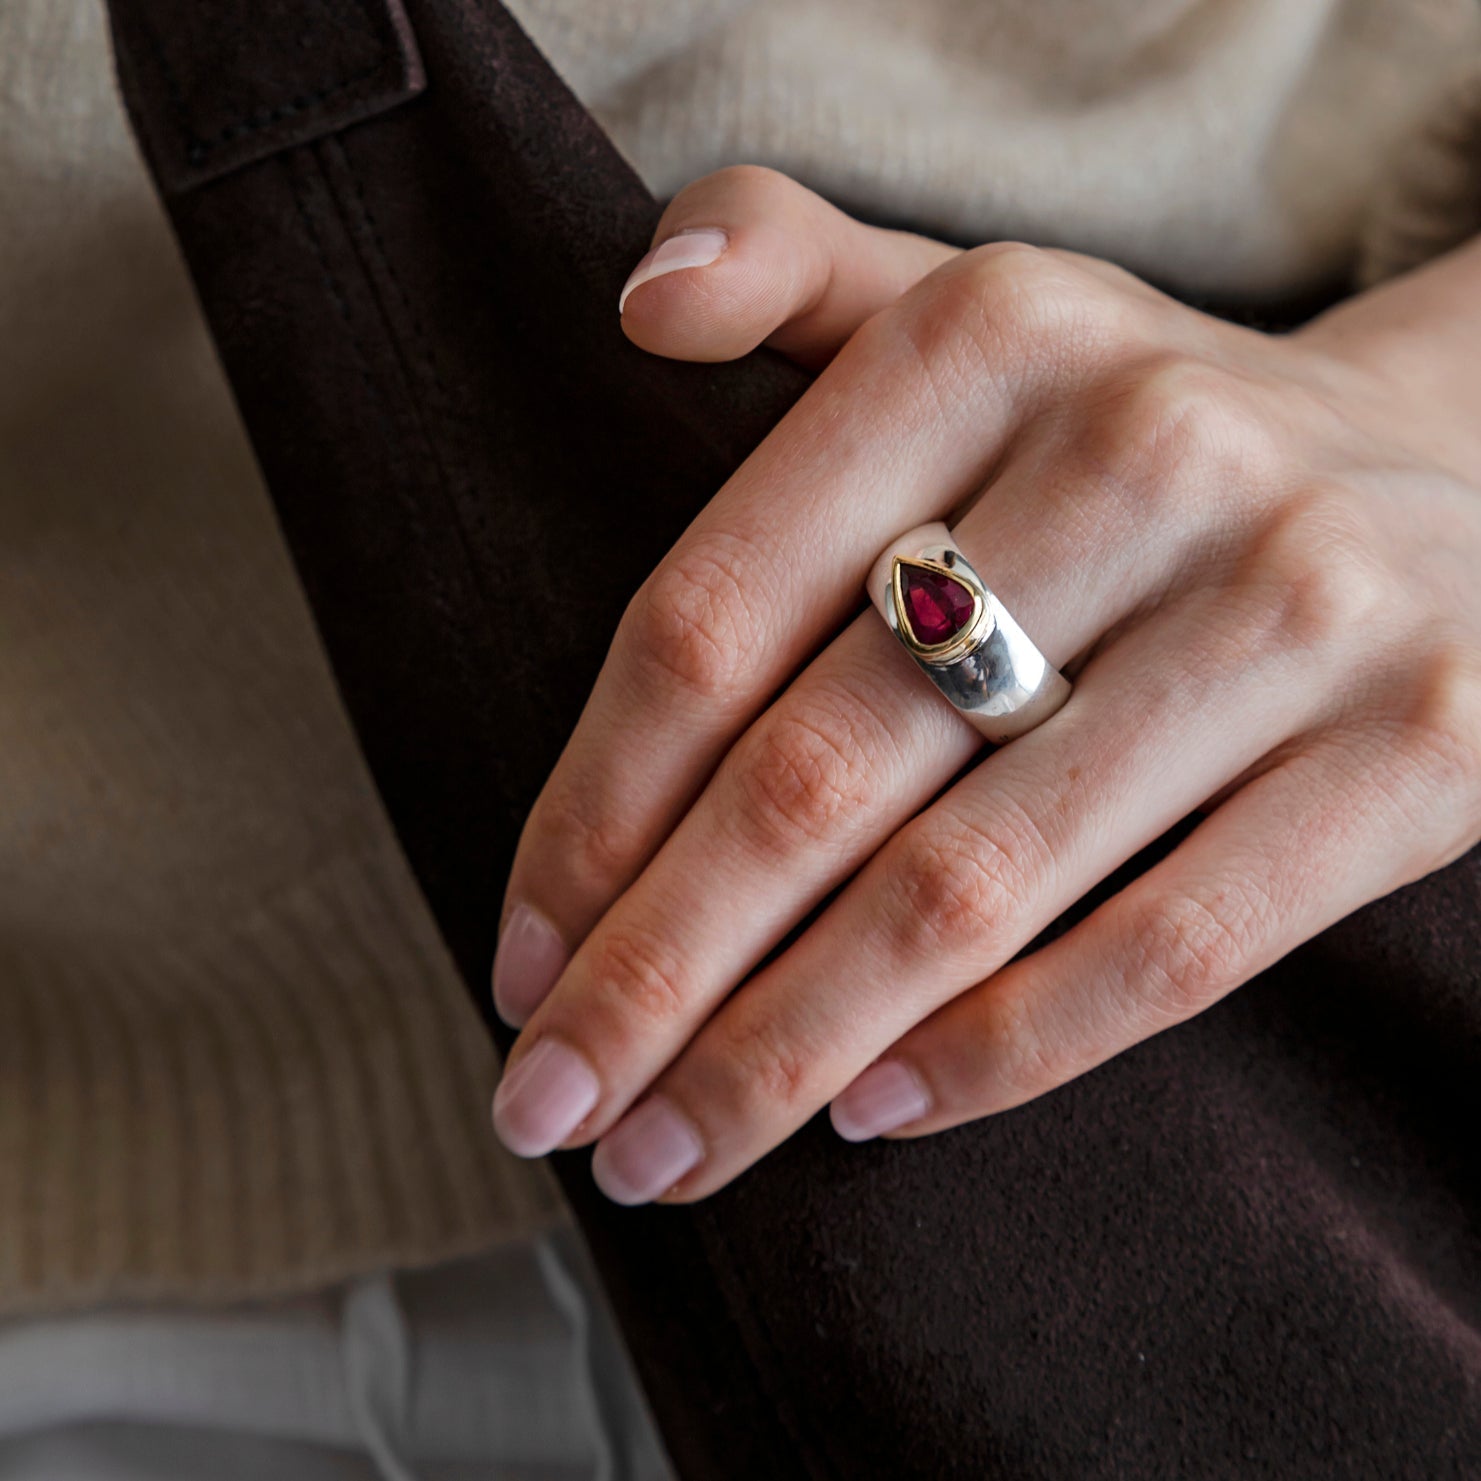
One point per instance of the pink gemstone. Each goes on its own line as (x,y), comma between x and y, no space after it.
(936,606)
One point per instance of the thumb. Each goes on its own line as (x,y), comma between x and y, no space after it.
(747,256)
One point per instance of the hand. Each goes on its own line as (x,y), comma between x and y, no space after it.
(1260,556)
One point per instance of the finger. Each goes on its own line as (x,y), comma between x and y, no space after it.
(1294,851)
(1154,725)
(855,746)
(747,256)
(911,417)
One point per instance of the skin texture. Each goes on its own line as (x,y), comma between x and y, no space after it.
(1259,557)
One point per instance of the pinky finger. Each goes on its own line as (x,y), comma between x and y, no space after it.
(1289,854)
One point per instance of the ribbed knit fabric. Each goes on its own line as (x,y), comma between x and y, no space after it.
(265,1109)
(234,1055)
(1234,148)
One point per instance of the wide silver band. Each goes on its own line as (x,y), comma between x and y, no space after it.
(988,669)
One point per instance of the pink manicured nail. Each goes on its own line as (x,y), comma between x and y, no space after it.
(530,956)
(543,1099)
(696,247)
(645,1154)
(884,1097)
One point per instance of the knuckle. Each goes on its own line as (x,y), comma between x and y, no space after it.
(951,889)
(1045,1057)
(802,775)
(599,848)
(637,974)
(688,622)
(993,306)
(1028,1055)
(1008,271)
(1316,572)
(768,1067)
(1011,289)
(1172,418)
(1443,719)
(1189,950)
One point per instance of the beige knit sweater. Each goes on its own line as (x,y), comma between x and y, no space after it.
(233,1054)
(1234,147)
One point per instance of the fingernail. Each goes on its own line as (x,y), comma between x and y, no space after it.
(692,247)
(528,959)
(645,1154)
(886,1096)
(543,1099)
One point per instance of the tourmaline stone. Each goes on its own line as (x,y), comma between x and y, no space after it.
(937,607)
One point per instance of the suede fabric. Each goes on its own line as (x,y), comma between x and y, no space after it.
(1247,1248)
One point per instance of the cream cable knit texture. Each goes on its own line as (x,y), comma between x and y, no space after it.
(233,1055)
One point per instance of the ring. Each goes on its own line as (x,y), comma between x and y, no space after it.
(961,636)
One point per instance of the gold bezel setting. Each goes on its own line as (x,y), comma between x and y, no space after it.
(966,638)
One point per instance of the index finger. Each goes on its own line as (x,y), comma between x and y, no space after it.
(907,421)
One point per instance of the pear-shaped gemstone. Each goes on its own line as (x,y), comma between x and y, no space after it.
(937,606)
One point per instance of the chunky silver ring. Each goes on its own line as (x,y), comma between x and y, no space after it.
(961,636)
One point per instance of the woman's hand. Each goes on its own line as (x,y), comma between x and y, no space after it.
(1260,557)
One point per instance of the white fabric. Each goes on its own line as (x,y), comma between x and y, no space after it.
(504,1367)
